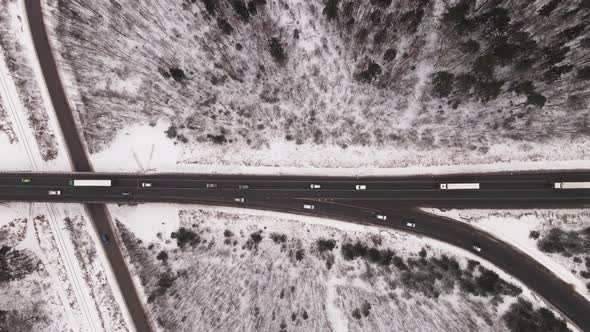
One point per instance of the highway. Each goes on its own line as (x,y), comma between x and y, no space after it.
(98,214)
(338,198)
(497,190)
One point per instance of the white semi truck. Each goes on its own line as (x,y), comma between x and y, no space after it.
(459,186)
(90,183)
(571,185)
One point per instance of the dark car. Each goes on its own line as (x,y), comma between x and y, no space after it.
(105,239)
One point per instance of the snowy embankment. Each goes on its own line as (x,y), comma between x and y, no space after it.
(147,149)
(515,226)
(259,270)
(31,134)
(71,270)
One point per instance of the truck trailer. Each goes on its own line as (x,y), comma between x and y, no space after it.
(571,185)
(90,183)
(459,186)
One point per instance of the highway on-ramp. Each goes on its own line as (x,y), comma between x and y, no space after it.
(356,199)
(336,197)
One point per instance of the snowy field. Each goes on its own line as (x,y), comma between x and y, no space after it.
(198,86)
(515,226)
(29,131)
(57,278)
(258,270)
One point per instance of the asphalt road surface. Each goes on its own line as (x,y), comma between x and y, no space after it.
(339,198)
(513,190)
(78,157)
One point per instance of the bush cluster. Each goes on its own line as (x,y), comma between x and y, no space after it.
(521,316)
(185,237)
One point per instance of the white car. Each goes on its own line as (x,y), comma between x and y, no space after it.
(308,206)
(361,187)
(476,248)
(126,193)
(211,185)
(54,192)
(411,224)
(381,217)
(146,184)
(239,199)
(443,186)
(315,186)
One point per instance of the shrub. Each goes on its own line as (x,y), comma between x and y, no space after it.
(331,9)
(534,234)
(367,76)
(585,274)
(166,281)
(177,74)
(277,51)
(566,243)
(162,256)
(278,238)
(241,9)
(389,55)
(256,237)
(326,245)
(366,309)
(210,6)
(299,255)
(172,132)
(185,236)
(224,26)
(356,313)
(442,84)
(522,317)
(228,233)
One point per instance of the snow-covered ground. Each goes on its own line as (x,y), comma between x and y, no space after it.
(146,148)
(71,269)
(31,133)
(233,108)
(514,227)
(288,283)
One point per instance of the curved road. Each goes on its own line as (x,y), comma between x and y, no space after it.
(337,198)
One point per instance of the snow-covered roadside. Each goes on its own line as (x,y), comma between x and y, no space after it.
(153,231)
(25,97)
(146,148)
(79,279)
(514,227)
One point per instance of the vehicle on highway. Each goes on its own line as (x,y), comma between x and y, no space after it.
(411,224)
(476,248)
(308,206)
(146,184)
(24,180)
(90,183)
(54,192)
(244,186)
(360,187)
(381,217)
(571,185)
(211,185)
(459,186)
(126,193)
(315,186)
(105,239)
(239,199)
